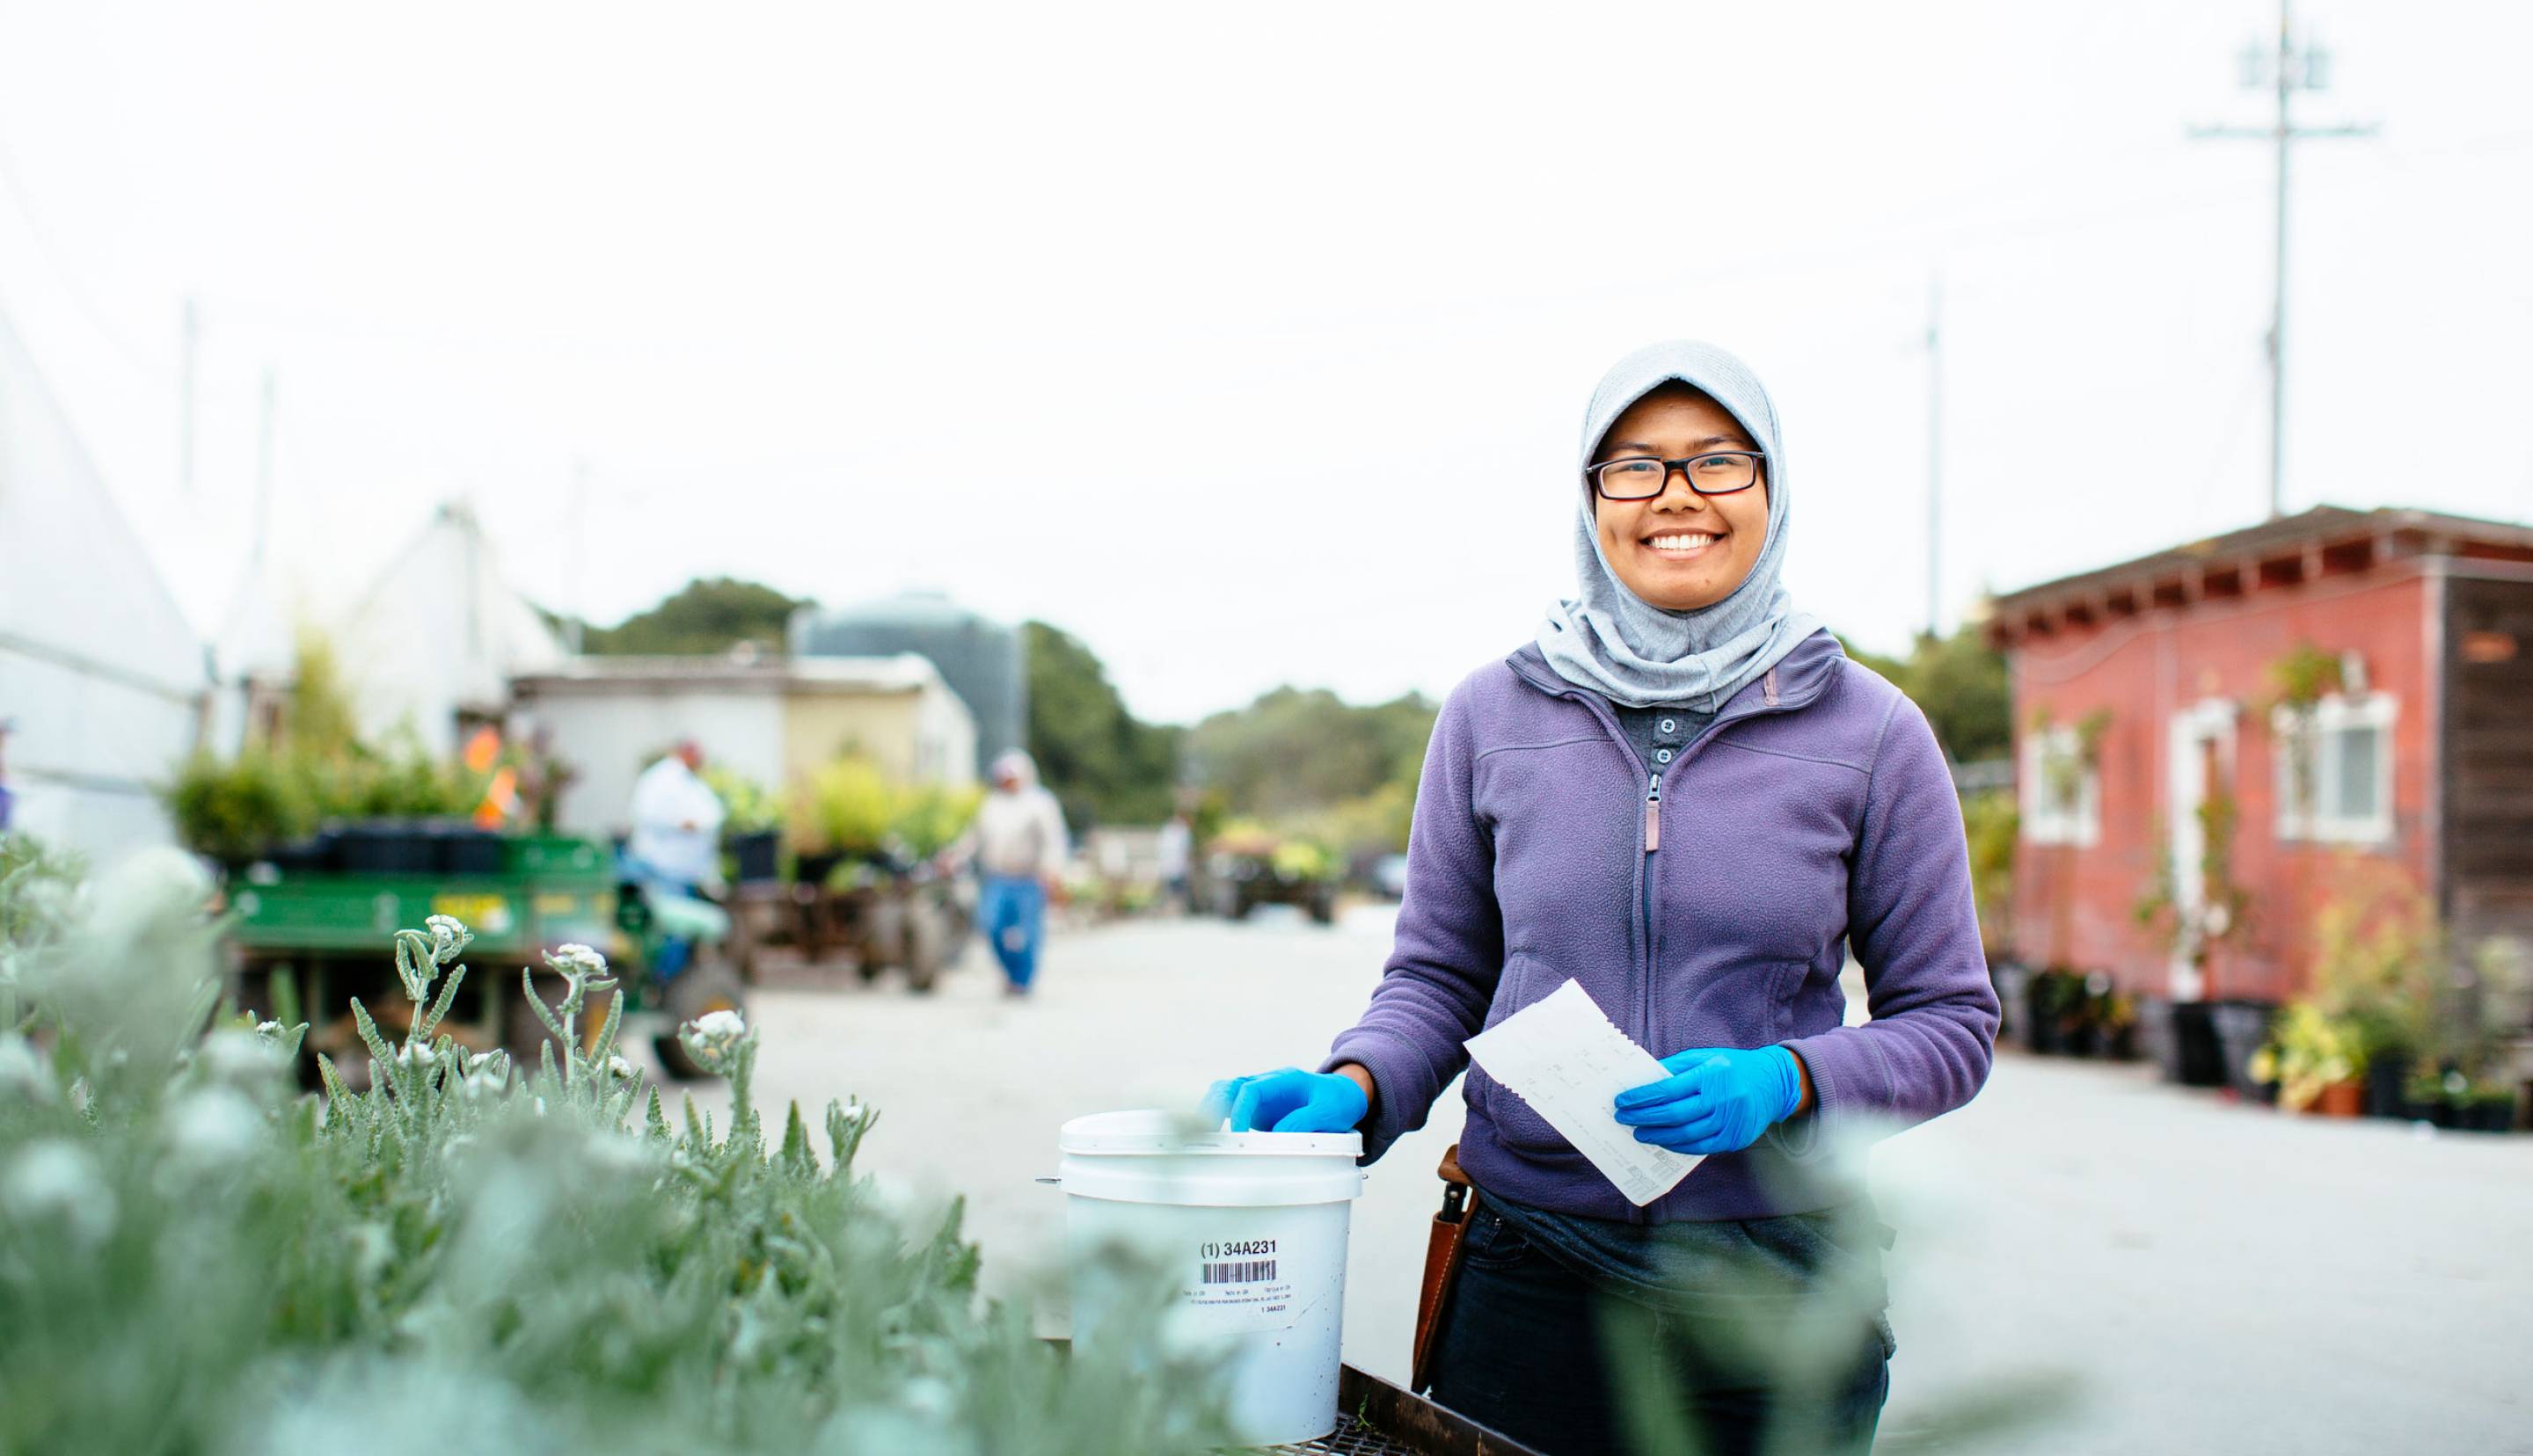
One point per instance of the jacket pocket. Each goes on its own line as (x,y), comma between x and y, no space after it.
(1518,1128)
(1743,1006)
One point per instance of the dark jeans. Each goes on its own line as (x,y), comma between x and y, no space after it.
(1532,1349)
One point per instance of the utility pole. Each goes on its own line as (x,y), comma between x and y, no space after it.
(1934,452)
(578,511)
(262,478)
(2286,71)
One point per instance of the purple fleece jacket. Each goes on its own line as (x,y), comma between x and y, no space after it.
(1814,811)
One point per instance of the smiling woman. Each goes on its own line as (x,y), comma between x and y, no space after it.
(1682,798)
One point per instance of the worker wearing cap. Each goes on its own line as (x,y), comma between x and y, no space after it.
(1019,845)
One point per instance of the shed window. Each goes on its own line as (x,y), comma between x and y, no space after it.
(2335,771)
(2062,794)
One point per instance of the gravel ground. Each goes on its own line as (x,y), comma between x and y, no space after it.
(2130,1266)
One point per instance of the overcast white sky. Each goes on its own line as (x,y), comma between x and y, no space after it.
(1272,327)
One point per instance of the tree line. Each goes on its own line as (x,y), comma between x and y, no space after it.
(1294,756)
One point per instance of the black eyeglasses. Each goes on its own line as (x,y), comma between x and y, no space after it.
(1642,476)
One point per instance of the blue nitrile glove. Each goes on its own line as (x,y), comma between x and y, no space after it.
(1288,1100)
(1716,1099)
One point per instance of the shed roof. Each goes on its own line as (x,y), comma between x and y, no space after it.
(2432,532)
(902,672)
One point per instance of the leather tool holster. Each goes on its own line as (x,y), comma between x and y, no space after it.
(1442,1261)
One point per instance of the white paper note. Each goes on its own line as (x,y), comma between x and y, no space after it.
(1564,1057)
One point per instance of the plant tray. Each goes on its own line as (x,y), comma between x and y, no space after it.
(1377,1418)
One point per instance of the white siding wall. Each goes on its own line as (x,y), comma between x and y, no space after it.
(607,737)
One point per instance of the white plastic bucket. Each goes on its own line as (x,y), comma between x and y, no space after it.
(1253,1228)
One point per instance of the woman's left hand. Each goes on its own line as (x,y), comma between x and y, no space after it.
(1717,1099)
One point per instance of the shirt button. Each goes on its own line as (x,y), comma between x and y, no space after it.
(1662,755)
(1670,724)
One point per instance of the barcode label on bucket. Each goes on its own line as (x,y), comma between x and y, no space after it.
(1240,1285)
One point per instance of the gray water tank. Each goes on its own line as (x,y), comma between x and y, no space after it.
(984,662)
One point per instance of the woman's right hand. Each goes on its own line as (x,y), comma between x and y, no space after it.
(1288,1100)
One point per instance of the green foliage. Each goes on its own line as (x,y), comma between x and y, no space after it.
(853,807)
(930,817)
(2485,1004)
(313,768)
(322,719)
(1993,825)
(1102,764)
(1376,823)
(1293,750)
(2304,677)
(1290,857)
(2225,906)
(847,807)
(745,806)
(1960,684)
(467,1255)
(235,811)
(2298,682)
(705,615)
(2308,1049)
(2380,960)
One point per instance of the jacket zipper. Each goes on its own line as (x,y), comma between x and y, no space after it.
(1771,702)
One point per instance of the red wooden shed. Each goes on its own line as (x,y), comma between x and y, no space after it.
(2149,713)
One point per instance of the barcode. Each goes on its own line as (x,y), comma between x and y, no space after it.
(1244,1271)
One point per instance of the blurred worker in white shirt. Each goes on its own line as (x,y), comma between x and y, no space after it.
(675,846)
(1019,842)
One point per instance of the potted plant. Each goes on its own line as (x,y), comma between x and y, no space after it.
(751,826)
(2316,1059)
(2204,1043)
(2485,1107)
(841,816)
(2483,1007)
(2056,997)
(2013,981)
(2113,1014)
(238,810)
(2383,978)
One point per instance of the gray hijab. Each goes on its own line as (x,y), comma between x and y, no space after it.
(1611,640)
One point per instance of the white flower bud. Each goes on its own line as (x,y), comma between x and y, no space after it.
(449,936)
(213,1127)
(56,1179)
(21,1069)
(577,960)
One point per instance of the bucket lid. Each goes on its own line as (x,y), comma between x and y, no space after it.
(1156,1131)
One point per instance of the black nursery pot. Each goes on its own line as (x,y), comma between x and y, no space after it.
(813,869)
(2387,1076)
(759,855)
(2045,1001)
(2120,1043)
(2198,1059)
(468,850)
(2486,1117)
(386,846)
(298,857)
(2242,1027)
(2013,982)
